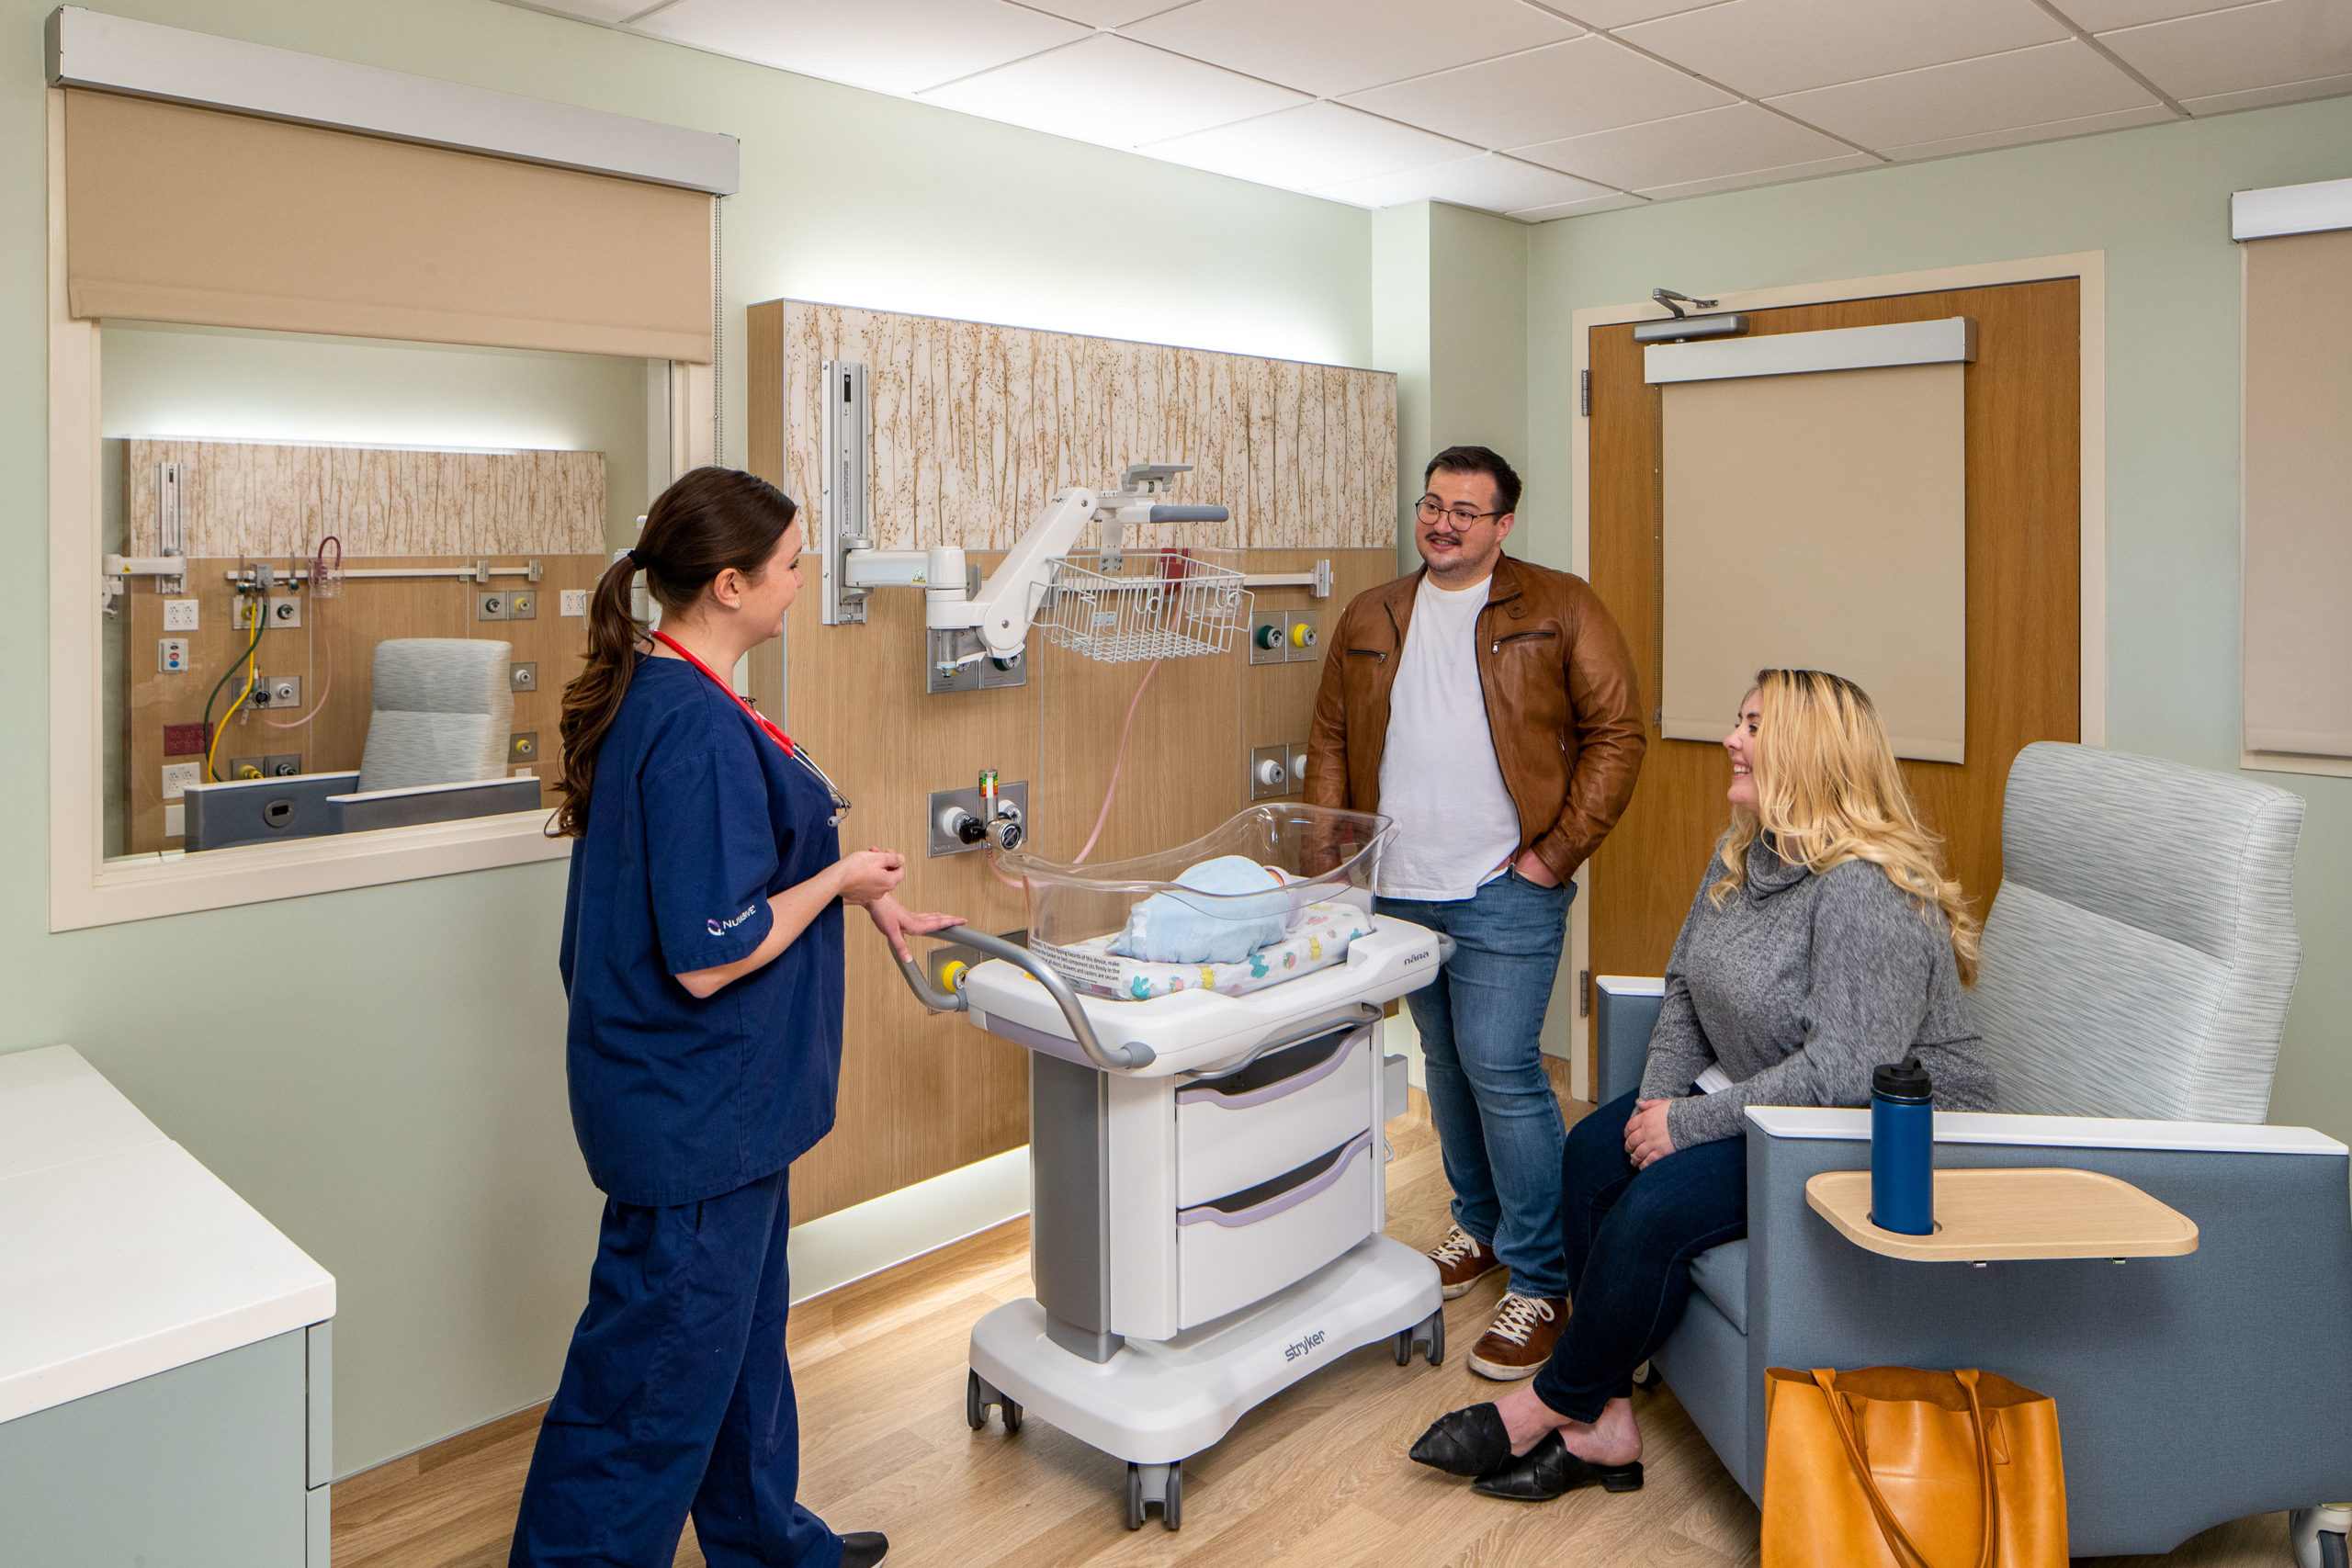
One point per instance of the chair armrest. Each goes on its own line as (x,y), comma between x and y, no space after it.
(2254,1329)
(1624,1011)
(2055,1132)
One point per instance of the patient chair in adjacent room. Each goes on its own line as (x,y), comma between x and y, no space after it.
(2137,967)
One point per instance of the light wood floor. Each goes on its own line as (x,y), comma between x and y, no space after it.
(1315,1476)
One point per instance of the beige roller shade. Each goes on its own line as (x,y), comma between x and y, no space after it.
(182,214)
(2298,440)
(1819,522)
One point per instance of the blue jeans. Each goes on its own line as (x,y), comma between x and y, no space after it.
(1630,1237)
(675,1397)
(1498,1124)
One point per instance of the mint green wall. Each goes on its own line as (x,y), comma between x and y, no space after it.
(380,1072)
(1400,342)
(2156,200)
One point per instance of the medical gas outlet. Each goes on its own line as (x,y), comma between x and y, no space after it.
(988,814)
(1284,637)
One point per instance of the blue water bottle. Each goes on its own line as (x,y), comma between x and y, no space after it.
(1902,1143)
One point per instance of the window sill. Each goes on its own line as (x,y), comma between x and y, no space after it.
(140,888)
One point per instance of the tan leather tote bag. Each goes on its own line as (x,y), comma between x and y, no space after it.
(1890,1467)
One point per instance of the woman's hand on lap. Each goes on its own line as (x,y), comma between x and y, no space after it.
(896,922)
(1646,1138)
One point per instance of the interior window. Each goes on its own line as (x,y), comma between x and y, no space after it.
(347,577)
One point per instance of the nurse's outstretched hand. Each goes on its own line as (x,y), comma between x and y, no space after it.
(896,923)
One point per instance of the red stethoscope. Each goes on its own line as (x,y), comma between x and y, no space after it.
(775,731)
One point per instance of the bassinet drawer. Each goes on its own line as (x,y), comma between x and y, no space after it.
(1282,1110)
(1247,1247)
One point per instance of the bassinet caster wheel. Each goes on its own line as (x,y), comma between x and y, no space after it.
(979,1394)
(1430,1331)
(1161,1484)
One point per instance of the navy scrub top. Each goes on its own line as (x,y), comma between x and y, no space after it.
(695,820)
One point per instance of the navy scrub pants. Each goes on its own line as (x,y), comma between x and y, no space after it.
(675,1397)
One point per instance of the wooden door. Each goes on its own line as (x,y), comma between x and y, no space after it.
(2024,618)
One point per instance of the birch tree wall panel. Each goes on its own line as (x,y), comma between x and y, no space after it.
(976,426)
(250,499)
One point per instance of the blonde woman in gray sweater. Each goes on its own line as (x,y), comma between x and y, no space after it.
(1826,939)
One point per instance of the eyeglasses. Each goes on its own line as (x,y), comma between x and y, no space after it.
(1432,509)
(841,801)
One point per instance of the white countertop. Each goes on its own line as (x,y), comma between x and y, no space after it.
(121,1257)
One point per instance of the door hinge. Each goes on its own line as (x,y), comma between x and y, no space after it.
(1584,393)
(1583,993)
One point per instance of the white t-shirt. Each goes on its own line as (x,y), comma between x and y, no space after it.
(1439,782)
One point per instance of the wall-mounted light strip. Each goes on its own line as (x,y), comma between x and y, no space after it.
(2290,209)
(1951,340)
(89,48)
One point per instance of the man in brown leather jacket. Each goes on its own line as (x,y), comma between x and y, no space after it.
(1489,706)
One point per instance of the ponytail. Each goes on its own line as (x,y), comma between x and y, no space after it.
(708,521)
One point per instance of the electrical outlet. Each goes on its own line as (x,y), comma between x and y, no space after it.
(179,614)
(278,691)
(523,745)
(171,656)
(571,602)
(522,605)
(184,740)
(177,776)
(523,677)
(490,606)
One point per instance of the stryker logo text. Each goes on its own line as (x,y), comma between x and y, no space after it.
(1294,1351)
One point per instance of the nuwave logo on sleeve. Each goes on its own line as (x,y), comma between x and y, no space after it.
(721,928)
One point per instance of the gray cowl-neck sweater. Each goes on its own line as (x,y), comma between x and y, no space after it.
(1801,985)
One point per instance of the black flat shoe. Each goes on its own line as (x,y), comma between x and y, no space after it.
(864,1548)
(1468,1441)
(1548,1470)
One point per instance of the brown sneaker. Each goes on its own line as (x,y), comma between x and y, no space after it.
(1521,1336)
(1462,1262)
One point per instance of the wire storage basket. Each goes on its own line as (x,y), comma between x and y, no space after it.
(1144,604)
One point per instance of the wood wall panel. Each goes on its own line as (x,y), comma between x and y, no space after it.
(976,426)
(2024,598)
(337,636)
(972,426)
(255,499)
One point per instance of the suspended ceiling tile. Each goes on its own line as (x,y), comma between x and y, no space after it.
(1562,89)
(593,10)
(2256,97)
(2099,16)
(1624,13)
(1491,182)
(1105,13)
(1609,203)
(891,46)
(2237,51)
(2018,136)
(1780,176)
(2026,86)
(1114,92)
(1317,144)
(1713,142)
(1331,46)
(1768,46)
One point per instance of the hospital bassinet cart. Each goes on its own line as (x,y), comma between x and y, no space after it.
(1208,1183)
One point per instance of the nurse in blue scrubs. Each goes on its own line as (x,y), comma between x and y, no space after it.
(701,952)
